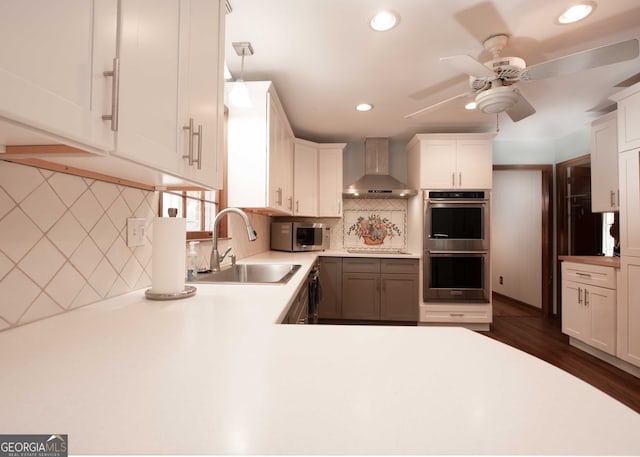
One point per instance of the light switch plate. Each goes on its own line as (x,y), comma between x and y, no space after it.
(135,231)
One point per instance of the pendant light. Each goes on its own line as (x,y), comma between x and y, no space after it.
(239,94)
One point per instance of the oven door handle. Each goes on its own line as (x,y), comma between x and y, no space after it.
(457,202)
(456,252)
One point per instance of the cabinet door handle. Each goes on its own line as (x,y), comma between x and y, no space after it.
(460,179)
(279,200)
(339,206)
(290,200)
(297,206)
(586,297)
(453,180)
(612,198)
(199,135)
(115,94)
(579,295)
(189,129)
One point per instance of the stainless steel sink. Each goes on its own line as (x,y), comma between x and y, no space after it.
(251,273)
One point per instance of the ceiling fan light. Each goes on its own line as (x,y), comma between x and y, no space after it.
(383,21)
(576,12)
(496,100)
(471,105)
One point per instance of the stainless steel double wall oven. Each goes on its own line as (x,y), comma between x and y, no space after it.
(456,246)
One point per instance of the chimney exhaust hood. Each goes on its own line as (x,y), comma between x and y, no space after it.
(376,182)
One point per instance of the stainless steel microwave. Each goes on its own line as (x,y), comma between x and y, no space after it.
(298,236)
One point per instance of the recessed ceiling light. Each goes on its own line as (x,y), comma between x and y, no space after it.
(576,12)
(384,20)
(470,105)
(364,107)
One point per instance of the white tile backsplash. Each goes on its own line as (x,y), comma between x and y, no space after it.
(63,242)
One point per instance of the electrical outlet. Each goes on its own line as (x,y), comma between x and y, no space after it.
(135,231)
(501,280)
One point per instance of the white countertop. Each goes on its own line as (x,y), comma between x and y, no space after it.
(214,374)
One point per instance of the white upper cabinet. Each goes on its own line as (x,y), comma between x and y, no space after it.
(52,59)
(202,92)
(118,78)
(318,179)
(628,114)
(149,55)
(171,88)
(604,164)
(305,179)
(330,184)
(260,152)
(454,161)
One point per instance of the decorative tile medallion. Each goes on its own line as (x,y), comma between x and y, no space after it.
(376,230)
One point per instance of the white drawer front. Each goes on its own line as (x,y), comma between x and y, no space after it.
(596,275)
(452,314)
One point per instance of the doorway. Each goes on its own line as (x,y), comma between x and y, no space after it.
(543,254)
(579,231)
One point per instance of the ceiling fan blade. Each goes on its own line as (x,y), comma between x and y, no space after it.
(436,105)
(597,57)
(469,65)
(603,107)
(521,109)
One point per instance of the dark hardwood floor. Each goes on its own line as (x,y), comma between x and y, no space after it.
(525,328)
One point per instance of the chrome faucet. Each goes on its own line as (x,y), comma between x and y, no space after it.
(216,258)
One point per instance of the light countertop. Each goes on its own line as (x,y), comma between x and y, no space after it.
(605,261)
(214,374)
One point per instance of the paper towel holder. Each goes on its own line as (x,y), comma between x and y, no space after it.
(189,291)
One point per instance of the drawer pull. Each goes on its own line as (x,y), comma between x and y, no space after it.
(456,314)
(586,275)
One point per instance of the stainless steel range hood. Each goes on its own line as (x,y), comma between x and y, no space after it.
(376,182)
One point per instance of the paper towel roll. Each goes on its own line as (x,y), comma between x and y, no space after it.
(168,255)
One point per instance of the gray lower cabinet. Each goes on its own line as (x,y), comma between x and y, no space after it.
(369,288)
(330,306)
(399,297)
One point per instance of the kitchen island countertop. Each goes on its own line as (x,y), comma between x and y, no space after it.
(215,373)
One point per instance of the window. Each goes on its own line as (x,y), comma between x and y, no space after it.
(199,207)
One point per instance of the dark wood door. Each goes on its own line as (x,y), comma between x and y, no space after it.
(585,226)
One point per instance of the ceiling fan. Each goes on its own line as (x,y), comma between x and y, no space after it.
(493,82)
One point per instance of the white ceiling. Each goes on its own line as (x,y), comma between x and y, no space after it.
(324,59)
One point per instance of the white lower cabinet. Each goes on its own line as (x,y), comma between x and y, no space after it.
(589,305)
(629,311)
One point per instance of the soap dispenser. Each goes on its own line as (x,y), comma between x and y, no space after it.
(192,261)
